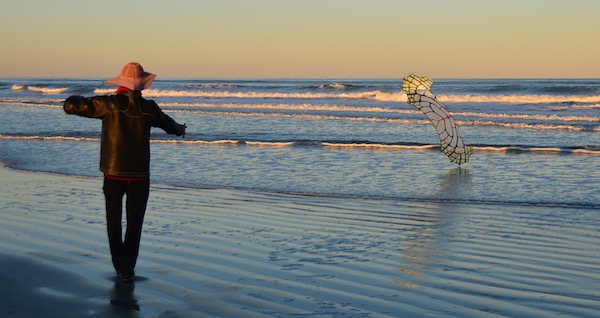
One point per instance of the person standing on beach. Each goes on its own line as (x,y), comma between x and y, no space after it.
(125,157)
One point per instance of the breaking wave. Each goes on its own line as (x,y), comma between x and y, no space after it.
(48,90)
(331,91)
(349,145)
(519,99)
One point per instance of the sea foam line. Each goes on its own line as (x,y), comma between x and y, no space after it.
(375,95)
(518,99)
(285,106)
(371,109)
(46,102)
(217,107)
(539,150)
(380,146)
(228,94)
(420,121)
(50,138)
(500,149)
(591,150)
(48,90)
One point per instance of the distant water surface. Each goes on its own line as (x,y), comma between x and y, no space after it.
(537,141)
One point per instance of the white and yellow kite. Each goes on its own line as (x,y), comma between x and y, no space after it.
(418,92)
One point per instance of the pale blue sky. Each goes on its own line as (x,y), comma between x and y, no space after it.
(302,38)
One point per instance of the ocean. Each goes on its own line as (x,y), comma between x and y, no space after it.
(536,141)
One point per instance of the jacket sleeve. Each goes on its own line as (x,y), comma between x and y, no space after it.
(86,107)
(168,124)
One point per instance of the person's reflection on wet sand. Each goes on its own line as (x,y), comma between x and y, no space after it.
(122,296)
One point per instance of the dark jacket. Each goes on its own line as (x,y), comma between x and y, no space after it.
(126,121)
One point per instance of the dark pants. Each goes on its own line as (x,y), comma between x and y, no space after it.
(125,251)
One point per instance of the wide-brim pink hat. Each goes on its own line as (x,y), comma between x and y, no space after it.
(133,77)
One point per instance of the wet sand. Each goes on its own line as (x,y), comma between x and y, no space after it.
(232,253)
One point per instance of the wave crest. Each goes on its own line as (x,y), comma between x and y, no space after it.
(339,91)
(592,150)
(48,90)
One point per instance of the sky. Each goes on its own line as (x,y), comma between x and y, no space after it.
(301,38)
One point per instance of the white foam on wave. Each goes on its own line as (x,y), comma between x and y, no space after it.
(197,142)
(376,95)
(399,97)
(285,108)
(47,102)
(224,142)
(157,93)
(301,107)
(540,150)
(518,99)
(380,146)
(229,94)
(341,145)
(591,106)
(306,116)
(219,86)
(338,86)
(505,99)
(48,90)
(227,142)
(538,117)
(52,138)
(269,144)
(499,149)
(534,126)
(348,108)
(104,91)
(407,121)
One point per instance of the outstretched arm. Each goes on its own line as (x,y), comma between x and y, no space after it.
(169,125)
(87,107)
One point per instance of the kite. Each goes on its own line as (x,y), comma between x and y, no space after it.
(418,92)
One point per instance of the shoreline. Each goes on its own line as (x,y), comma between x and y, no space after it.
(452,171)
(233,253)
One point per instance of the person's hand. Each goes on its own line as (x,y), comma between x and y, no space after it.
(182,129)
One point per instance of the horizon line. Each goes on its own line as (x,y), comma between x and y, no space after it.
(158,78)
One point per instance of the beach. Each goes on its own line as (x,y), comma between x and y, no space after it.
(214,252)
(320,168)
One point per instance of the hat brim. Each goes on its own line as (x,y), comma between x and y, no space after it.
(136,84)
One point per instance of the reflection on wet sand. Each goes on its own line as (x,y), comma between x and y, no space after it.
(122,296)
(421,247)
